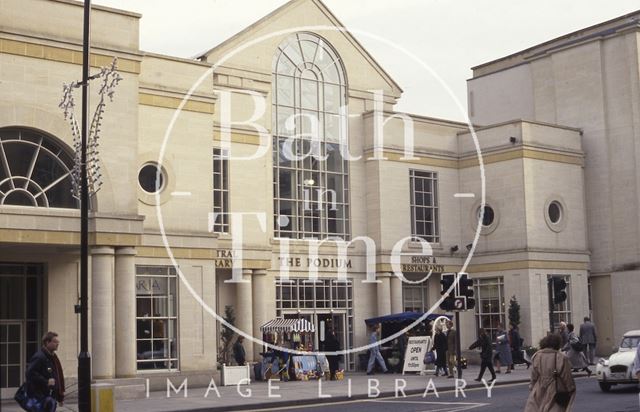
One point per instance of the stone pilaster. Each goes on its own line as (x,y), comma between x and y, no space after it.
(102,305)
(244,309)
(396,294)
(384,294)
(125,312)
(260,315)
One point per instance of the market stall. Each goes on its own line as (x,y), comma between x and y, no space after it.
(294,334)
(394,352)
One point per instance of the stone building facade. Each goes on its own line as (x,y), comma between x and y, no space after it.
(186,142)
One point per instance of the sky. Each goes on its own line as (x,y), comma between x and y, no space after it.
(448,36)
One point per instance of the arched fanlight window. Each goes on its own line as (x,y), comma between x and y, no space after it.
(311,177)
(34,170)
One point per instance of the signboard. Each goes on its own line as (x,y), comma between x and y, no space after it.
(417,346)
(235,375)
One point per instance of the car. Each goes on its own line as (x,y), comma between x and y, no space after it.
(618,368)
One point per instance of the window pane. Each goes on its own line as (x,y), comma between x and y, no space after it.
(284,91)
(332,98)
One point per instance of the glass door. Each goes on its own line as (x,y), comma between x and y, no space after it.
(20,320)
(10,354)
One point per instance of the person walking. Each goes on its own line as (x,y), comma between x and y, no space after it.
(331,344)
(45,378)
(576,357)
(374,352)
(552,388)
(503,357)
(238,351)
(516,346)
(564,335)
(588,338)
(486,352)
(440,345)
(452,347)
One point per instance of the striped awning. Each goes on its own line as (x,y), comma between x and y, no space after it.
(288,325)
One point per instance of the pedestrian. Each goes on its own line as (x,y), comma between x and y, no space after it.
(45,378)
(564,335)
(503,357)
(516,346)
(452,347)
(576,357)
(238,351)
(374,352)
(440,345)
(588,338)
(486,352)
(552,388)
(331,344)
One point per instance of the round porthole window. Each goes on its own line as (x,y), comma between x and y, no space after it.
(489,215)
(555,212)
(151,178)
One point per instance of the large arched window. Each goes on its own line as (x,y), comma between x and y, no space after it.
(311,179)
(34,170)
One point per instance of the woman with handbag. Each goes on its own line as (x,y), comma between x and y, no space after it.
(552,388)
(503,349)
(574,349)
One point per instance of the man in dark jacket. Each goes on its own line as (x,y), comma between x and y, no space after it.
(238,351)
(486,352)
(45,379)
(588,338)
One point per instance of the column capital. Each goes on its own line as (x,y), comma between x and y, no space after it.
(383,275)
(102,250)
(259,272)
(126,251)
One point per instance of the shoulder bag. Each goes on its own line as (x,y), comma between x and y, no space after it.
(562,397)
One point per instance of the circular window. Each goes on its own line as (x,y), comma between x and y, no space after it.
(555,212)
(151,178)
(489,215)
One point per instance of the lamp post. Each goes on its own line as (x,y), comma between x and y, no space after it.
(86,181)
(84,357)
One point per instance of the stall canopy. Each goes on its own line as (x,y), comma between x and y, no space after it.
(402,317)
(288,325)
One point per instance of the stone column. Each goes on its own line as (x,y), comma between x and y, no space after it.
(260,315)
(102,333)
(244,309)
(384,294)
(396,294)
(125,312)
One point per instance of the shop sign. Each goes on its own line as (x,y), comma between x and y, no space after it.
(422,264)
(151,286)
(224,259)
(323,263)
(417,347)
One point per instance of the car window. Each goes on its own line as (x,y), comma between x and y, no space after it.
(630,342)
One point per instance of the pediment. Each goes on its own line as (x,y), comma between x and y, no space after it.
(253,48)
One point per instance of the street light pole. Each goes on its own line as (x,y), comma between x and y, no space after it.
(84,357)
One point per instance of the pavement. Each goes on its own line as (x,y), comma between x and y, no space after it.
(276,394)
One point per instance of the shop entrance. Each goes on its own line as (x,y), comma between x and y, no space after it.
(327,303)
(20,320)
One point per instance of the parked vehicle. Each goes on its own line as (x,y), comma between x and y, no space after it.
(618,368)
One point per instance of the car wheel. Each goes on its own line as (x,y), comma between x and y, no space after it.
(606,387)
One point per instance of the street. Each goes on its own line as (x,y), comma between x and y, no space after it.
(509,398)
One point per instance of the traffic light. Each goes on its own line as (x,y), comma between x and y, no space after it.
(466,290)
(447,281)
(559,285)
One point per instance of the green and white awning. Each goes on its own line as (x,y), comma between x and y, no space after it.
(288,325)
